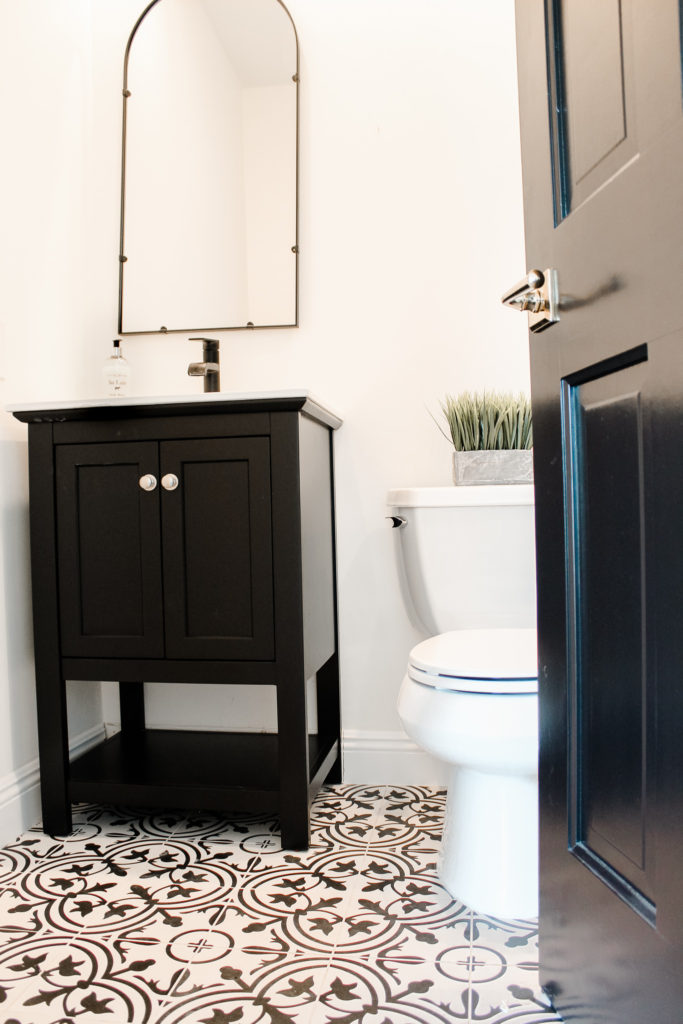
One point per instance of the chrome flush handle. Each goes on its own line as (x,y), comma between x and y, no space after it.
(537,294)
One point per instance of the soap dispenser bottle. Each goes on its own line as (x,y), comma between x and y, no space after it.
(116,372)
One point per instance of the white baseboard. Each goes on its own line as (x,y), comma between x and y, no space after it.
(19,790)
(388,758)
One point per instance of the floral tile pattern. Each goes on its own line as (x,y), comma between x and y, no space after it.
(148,918)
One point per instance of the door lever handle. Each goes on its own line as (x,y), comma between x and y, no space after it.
(538,295)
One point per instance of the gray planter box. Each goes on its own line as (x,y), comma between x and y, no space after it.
(493,467)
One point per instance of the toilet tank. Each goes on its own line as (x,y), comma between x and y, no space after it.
(468,555)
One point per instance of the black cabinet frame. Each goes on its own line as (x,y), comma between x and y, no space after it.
(201,770)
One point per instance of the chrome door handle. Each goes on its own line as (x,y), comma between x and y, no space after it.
(169,482)
(538,295)
(148,482)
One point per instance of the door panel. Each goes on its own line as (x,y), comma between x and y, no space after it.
(603,195)
(596,101)
(611,684)
(109,551)
(218,549)
(594,120)
(224,564)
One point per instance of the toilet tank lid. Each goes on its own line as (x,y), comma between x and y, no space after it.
(448,497)
(485,654)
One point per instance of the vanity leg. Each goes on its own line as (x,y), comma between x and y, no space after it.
(132,704)
(53,733)
(53,752)
(293,767)
(329,722)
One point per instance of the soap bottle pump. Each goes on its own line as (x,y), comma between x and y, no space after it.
(116,372)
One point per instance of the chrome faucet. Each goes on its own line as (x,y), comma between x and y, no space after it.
(210,368)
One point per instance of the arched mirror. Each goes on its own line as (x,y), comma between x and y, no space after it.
(209,168)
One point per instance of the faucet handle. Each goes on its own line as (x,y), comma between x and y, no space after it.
(211,349)
(207,341)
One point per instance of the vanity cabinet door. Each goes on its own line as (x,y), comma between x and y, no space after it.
(217,548)
(109,551)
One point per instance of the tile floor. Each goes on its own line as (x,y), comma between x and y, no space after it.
(163,919)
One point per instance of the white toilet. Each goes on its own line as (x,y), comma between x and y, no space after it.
(469,696)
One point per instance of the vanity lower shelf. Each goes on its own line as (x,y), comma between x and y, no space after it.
(191,770)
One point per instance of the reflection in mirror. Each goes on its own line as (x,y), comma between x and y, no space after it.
(209,172)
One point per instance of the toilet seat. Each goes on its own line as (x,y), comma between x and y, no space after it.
(501,661)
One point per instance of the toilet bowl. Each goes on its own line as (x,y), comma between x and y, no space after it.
(469,696)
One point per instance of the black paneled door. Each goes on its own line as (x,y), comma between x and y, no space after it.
(601,108)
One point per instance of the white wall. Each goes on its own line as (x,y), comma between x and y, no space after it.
(411,228)
(45,330)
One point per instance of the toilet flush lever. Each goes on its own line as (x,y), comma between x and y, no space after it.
(537,294)
(397,522)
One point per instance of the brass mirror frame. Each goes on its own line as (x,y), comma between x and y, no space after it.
(122,256)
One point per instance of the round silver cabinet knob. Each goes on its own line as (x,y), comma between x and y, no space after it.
(148,482)
(169,482)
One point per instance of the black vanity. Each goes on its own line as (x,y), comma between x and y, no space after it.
(189,541)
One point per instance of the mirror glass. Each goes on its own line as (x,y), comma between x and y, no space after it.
(209,174)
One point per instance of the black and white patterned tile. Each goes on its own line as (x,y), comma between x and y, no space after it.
(176,919)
